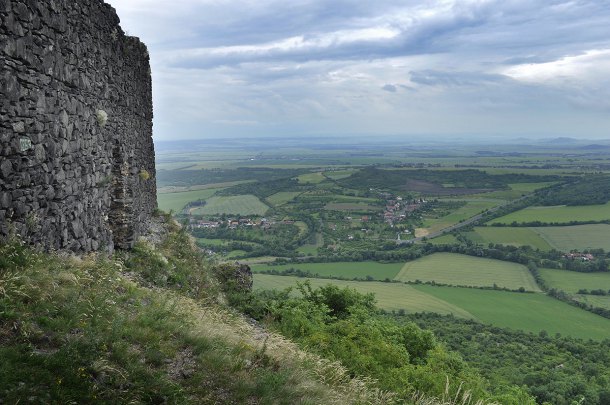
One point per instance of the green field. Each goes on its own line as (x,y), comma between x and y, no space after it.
(447,239)
(513,236)
(311,249)
(341,198)
(558,213)
(347,270)
(531,312)
(212,242)
(469,210)
(595,300)
(580,237)
(572,281)
(246,204)
(516,190)
(177,201)
(180,189)
(339,174)
(312,178)
(282,197)
(351,207)
(462,270)
(389,296)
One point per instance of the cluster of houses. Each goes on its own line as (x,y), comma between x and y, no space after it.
(585,257)
(397,210)
(233,223)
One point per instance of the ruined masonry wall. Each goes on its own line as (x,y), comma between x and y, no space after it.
(67,180)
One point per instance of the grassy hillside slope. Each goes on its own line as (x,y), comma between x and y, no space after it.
(145,327)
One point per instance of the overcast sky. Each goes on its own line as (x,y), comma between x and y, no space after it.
(413,68)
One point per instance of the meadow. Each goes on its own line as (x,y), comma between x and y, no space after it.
(347,270)
(516,190)
(177,201)
(512,236)
(238,205)
(572,281)
(311,249)
(389,296)
(312,178)
(180,189)
(469,210)
(557,214)
(462,270)
(594,300)
(282,197)
(530,312)
(580,237)
(338,174)
(346,206)
(446,239)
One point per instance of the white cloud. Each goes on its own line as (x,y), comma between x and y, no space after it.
(590,66)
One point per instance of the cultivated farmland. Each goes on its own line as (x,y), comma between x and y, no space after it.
(595,300)
(526,311)
(240,204)
(351,207)
(471,209)
(580,237)
(572,281)
(282,197)
(389,296)
(338,174)
(513,236)
(346,270)
(177,201)
(462,270)
(557,214)
(313,178)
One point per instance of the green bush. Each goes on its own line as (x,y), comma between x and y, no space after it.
(343,325)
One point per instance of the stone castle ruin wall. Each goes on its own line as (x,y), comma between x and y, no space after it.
(77,166)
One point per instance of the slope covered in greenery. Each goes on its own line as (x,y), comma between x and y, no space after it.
(145,327)
(151,326)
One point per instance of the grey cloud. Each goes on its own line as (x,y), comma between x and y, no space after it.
(449,56)
(455,79)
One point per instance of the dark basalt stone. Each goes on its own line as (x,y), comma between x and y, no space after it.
(68,181)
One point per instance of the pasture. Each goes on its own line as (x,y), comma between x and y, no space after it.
(580,237)
(338,174)
(246,204)
(212,242)
(572,281)
(282,197)
(177,201)
(179,189)
(469,210)
(311,249)
(461,270)
(531,312)
(512,236)
(346,206)
(595,300)
(516,190)
(557,214)
(311,178)
(389,296)
(347,270)
(446,239)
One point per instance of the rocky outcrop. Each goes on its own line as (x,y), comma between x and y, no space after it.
(234,277)
(77,166)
